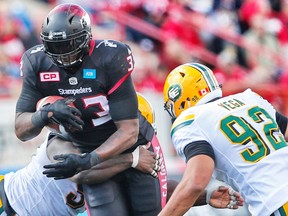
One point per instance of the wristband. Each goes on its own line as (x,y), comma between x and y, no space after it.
(208,195)
(94,159)
(135,155)
(37,119)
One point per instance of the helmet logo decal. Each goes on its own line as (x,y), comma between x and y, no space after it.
(203,91)
(83,22)
(174,92)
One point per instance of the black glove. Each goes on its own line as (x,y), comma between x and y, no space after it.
(69,165)
(62,114)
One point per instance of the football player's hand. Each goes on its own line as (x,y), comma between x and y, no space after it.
(225,197)
(61,113)
(68,165)
(149,162)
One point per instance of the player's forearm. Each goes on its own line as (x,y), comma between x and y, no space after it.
(195,179)
(180,202)
(124,138)
(182,198)
(24,128)
(104,170)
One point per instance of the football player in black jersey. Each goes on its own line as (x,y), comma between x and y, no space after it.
(96,74)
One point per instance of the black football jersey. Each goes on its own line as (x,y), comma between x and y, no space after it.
(101,86)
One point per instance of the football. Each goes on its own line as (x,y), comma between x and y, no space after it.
(53,125)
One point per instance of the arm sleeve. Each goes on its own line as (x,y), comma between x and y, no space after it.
(123,101)
(29,93)
(119,67)
(197,148)
(282,122)
(146,129)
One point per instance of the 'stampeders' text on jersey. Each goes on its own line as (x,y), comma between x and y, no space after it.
(102,71)
(247,143)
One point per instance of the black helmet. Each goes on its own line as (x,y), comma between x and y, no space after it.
(66,33)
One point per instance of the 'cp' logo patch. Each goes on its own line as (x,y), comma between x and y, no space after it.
(49,76)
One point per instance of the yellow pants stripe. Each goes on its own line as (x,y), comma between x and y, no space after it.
(1,205)
(284,210)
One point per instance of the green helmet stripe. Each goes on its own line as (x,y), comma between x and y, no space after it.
(207,75)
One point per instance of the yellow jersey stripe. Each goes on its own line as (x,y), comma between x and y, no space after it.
(181,122)
(178,126)
(181,119)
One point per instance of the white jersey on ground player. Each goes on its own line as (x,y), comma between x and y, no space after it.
(31,193)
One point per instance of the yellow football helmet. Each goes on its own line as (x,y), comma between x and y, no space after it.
(189,85)
(146,109)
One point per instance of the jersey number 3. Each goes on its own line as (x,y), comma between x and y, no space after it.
(71,198)
(239,131)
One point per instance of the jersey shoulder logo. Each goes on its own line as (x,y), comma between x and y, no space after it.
(49,77)
(37,49)
(110,43)
(107,43)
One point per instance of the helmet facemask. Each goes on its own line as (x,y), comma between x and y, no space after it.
(169,107)
(67,53)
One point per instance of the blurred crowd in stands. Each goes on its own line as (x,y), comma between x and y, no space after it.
(244,41)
